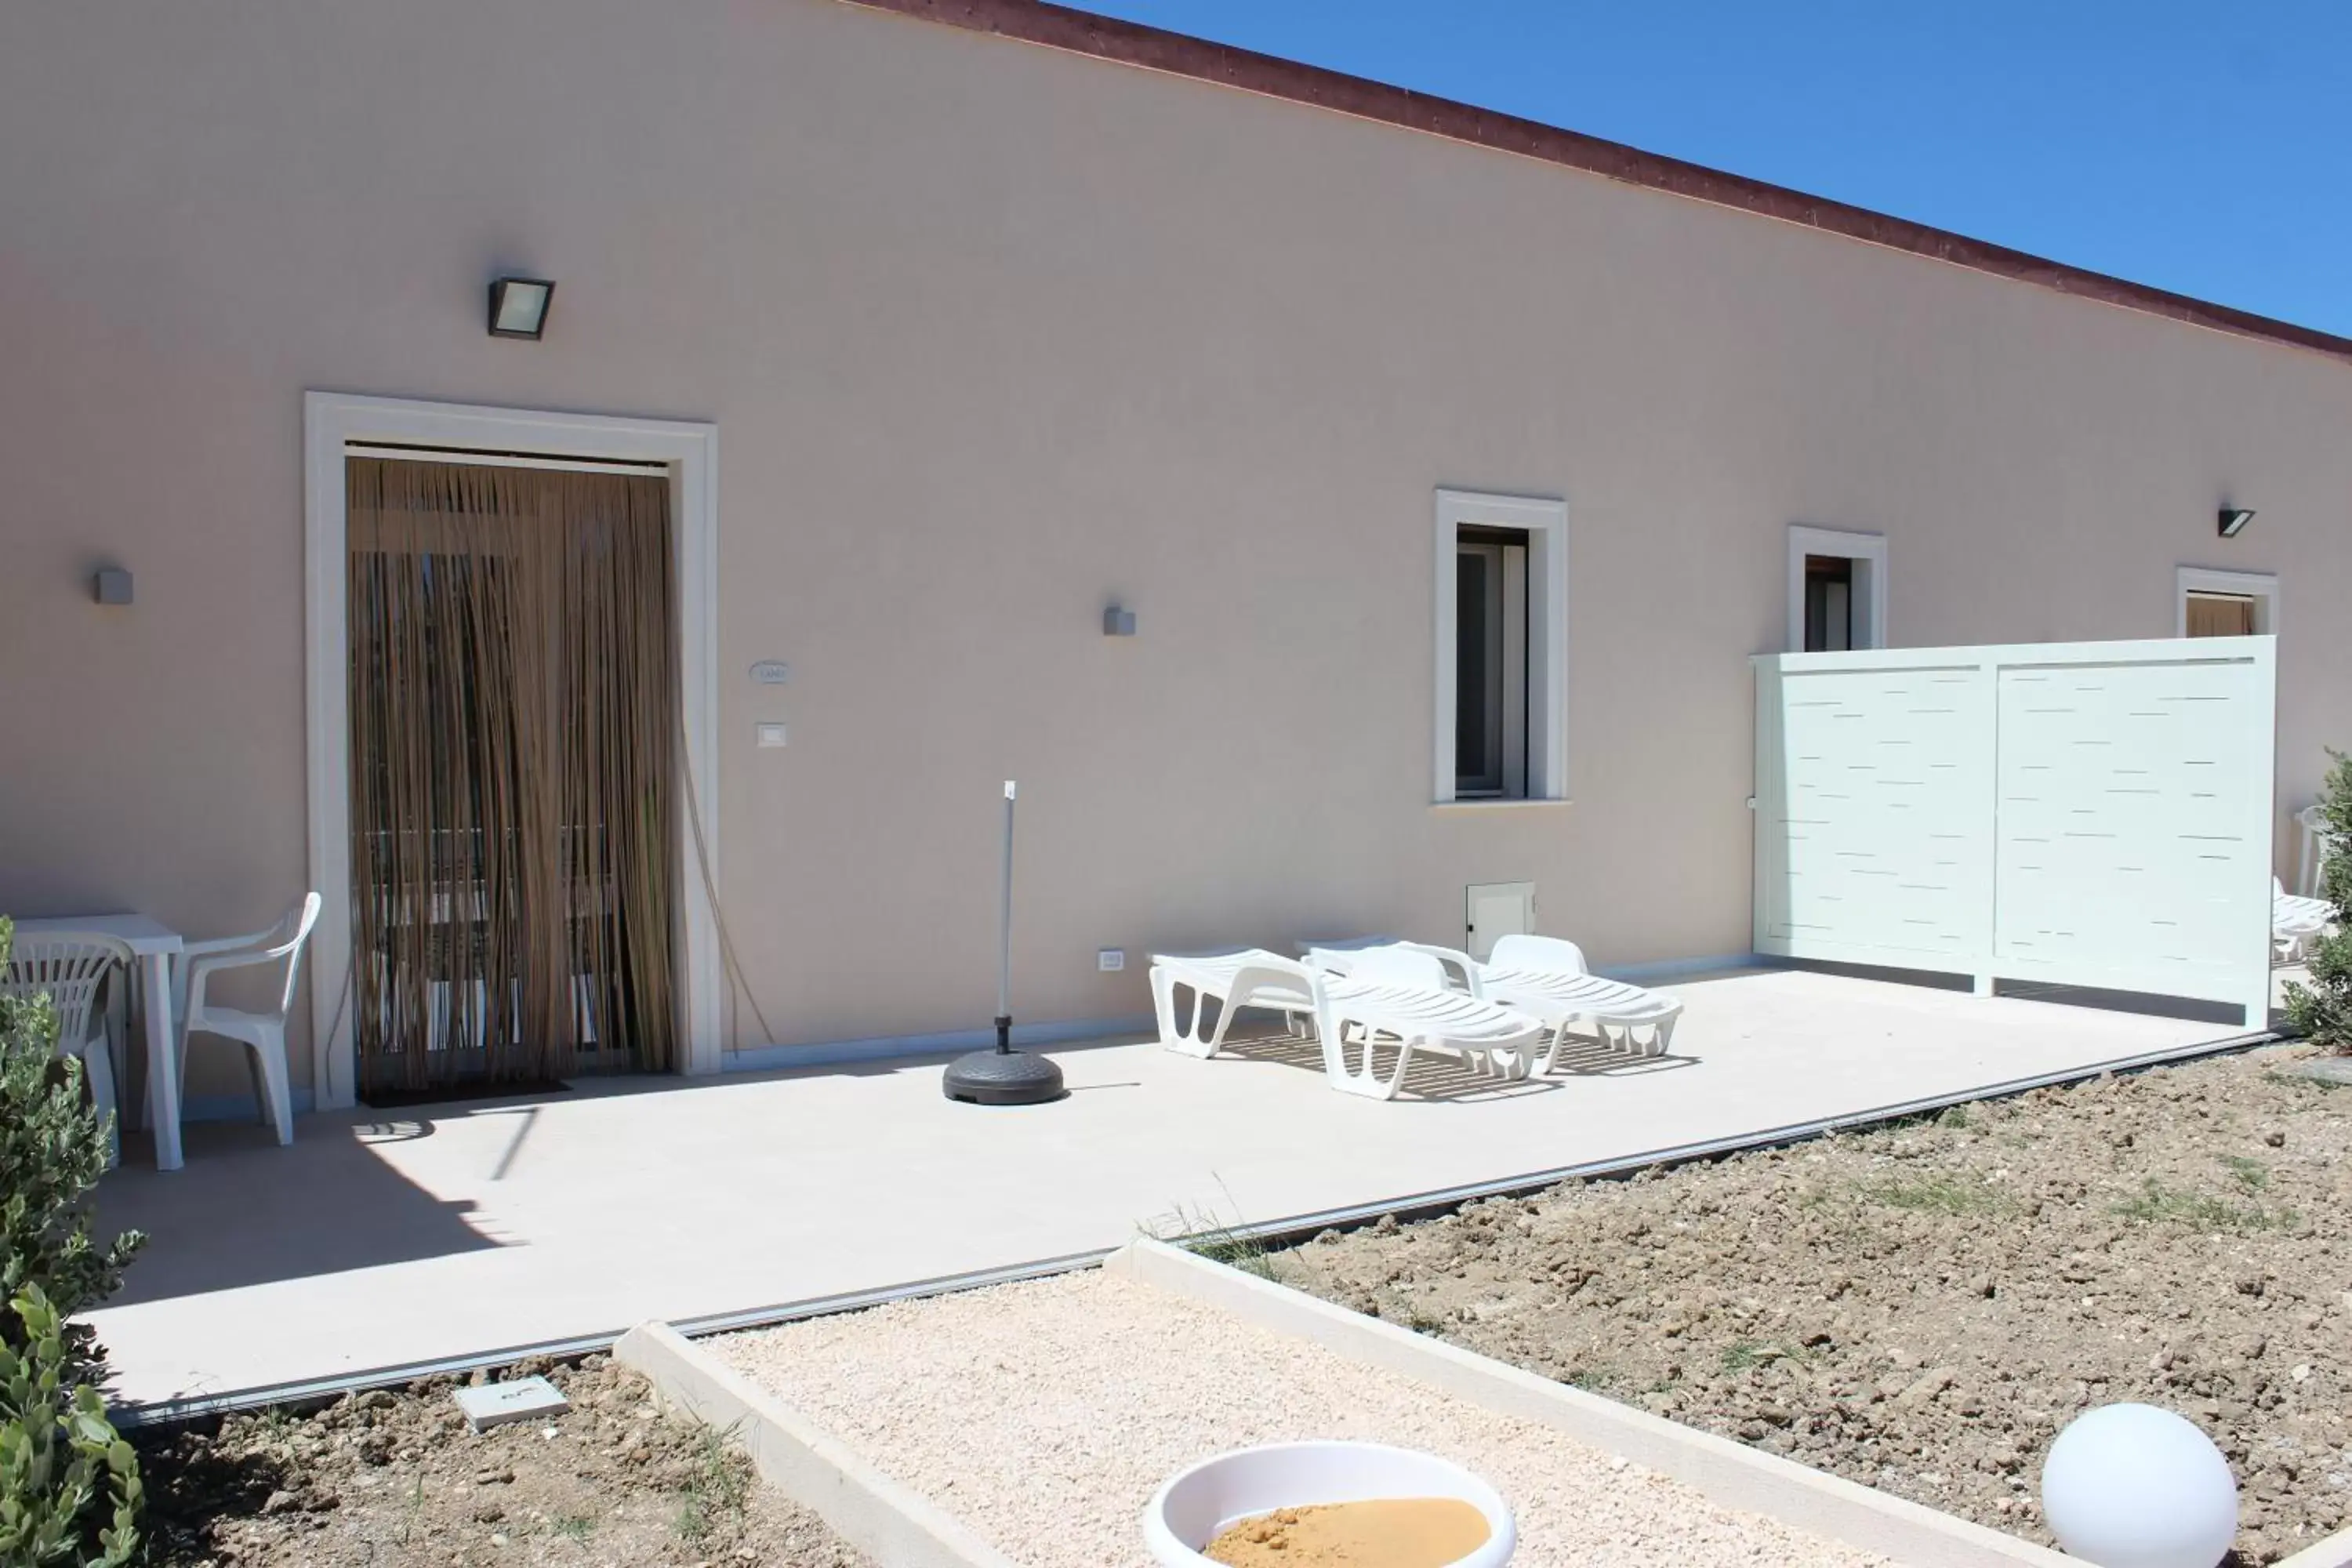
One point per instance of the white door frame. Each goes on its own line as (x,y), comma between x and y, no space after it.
(333,420)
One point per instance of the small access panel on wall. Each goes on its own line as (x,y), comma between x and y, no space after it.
(2089,814)
(1493,911)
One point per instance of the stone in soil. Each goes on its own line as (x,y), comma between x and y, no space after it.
(1923,1308)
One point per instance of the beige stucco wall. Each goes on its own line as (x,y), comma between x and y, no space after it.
(993,335)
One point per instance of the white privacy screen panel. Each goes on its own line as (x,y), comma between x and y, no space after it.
(2092,814)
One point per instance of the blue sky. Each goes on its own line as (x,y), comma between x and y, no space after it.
(2203,147)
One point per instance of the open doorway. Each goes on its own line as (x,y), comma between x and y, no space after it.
(336,425)
(513,714)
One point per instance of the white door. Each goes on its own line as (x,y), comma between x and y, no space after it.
(1498,910)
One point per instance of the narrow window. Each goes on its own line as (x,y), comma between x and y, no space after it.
(1501,649)
(2211,603)
(2220,615)
(1837,590)
(1829,603)
(1490,663)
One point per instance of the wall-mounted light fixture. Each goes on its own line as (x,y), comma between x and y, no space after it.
(1119,623)
(519,307)
(110,586)
(2234,520)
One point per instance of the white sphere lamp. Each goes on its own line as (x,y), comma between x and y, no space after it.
(2131,1486)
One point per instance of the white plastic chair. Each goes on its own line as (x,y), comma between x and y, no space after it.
(263,1035)
(2319,846)
(1547,976)
(69,968)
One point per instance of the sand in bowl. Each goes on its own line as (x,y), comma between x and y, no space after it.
(1389,1532)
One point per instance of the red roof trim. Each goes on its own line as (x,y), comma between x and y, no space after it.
(1150,48)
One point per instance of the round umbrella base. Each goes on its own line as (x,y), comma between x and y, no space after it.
(1003,1078)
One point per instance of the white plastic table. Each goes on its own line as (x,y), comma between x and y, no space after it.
(154,945)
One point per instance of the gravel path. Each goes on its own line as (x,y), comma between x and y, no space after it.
(1046,1414)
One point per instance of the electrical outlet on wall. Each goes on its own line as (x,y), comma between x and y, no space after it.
(770,735)
(1110,959)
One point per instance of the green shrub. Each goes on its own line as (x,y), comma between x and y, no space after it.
(69,1487)
(2322,1011)
(53,1149)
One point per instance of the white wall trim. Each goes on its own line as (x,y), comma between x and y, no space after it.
(2263,587)
(690,451)
(1866,550)
(1545,519)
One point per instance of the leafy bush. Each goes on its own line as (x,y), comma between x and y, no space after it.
(2322,1011)
(53,1149)
(65,1477)
(69,1487)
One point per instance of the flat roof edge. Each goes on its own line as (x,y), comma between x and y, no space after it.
(1223,65)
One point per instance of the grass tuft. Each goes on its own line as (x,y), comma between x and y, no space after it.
(718,1492)
(1203,1233)
(1742,1355)
(2252,1173)
(1939,1192)
(2156,1203)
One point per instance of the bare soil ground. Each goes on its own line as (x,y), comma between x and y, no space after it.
(1922,1308)
(391,1478)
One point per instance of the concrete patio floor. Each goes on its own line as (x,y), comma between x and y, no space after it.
(383,1239)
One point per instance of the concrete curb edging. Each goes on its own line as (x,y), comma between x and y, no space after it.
(885,1521)
(1723,1471)
(2334,1551)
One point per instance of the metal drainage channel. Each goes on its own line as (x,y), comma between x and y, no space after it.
(315,1392)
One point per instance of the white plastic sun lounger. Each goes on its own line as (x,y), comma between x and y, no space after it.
(1547,976)
(2295,922)
(1394,996)
(1251,977)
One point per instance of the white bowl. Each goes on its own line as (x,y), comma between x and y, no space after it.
(1188,1512)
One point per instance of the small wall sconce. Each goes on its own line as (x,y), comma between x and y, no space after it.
(110,586)
(519,307)
(1119,623)
(2234,520)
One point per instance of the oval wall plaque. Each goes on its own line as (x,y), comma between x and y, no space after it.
(771,673)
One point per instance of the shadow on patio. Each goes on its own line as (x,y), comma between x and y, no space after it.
(245,1213)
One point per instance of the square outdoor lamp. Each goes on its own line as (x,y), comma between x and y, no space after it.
(519,307)
(2234,520)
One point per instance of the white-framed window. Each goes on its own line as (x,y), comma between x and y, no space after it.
(1502,649)
(1837,590)
(2212,604)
